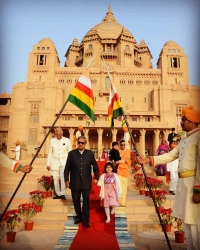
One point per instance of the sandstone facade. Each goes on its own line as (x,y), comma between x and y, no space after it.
(152,98)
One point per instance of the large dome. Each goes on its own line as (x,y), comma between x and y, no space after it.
(109,28)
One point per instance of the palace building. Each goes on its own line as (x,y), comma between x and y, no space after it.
(152,98)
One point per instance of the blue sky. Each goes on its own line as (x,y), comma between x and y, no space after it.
(24,23)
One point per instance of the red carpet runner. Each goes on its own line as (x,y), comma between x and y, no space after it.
(101,235)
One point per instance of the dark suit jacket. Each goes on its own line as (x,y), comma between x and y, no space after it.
(78,167)
(170,137)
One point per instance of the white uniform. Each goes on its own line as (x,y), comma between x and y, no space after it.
(172,167)
(57,156)
(127,140)
(17,152)
(188,152)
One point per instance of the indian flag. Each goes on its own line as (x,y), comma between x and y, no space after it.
(82,95)
(114,106)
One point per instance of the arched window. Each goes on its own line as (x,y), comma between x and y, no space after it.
(107,83)
(90,46)
(127,47)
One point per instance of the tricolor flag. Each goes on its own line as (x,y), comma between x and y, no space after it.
(82,95)
(123,121)
(114,106)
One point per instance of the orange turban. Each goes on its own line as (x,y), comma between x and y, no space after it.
(17,143)
(80,127)
(191,114)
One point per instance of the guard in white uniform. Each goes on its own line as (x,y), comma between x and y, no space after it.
(187,198)
(172,167)
(126,138)
(58,151)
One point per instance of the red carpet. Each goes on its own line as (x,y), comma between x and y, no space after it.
(101,235)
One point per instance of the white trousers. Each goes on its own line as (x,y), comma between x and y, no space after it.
(17,155)
(173,180)
(192,236)
(58,174)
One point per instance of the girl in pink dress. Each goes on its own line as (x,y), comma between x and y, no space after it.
(110,190)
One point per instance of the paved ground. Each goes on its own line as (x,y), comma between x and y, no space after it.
(39,239)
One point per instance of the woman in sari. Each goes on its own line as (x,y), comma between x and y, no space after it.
(123,169)
(163,148)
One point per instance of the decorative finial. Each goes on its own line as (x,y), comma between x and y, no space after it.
(109,16)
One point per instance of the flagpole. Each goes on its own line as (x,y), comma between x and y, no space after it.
(143,170)
(38,150)
(90,61)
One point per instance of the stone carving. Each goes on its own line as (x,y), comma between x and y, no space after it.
(35,85)
(179,87)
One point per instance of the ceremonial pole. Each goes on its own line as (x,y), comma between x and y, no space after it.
(38,150)
(143,170)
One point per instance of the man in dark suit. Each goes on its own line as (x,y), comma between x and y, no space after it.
(171,136)
(78,166)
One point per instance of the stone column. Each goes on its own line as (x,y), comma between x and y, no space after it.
(114,135)
(100,147)
(142,141)
(71,135)
(156,140)
(86,132)
(166,132)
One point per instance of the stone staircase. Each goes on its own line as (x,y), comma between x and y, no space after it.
(140,211)
(55,212)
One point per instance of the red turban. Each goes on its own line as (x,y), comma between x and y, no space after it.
(191,114)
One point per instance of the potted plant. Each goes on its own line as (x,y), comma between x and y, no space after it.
(135,167)
(10,220)
(36,197)
(139,181)
(160,197)
(179,234)
(46,182)
(27,212)
(167,219)
(154,183)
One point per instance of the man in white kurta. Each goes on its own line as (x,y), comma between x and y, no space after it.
(187,197)
(126,138)
(58,151)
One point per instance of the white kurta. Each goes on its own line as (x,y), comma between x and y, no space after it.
(57,157)
(17,152)
(188,152)
(127,140)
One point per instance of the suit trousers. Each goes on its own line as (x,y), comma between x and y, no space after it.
(84,212)
(58,174)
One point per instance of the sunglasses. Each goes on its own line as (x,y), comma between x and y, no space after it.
(122,144)
(81,142)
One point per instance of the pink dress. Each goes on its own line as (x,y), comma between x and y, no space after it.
(110,195)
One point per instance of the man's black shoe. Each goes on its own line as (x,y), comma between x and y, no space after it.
(62,197)
(57,197)
(77,221)
(86,226)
